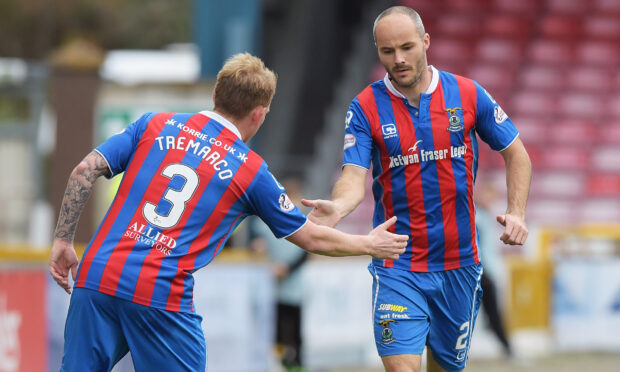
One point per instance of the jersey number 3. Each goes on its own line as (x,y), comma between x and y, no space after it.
(178,198)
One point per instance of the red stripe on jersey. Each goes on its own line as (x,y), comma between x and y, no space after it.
(145,284)
(239,184)
(154,191)
(467,88)
(367,102)
(415,194)
(150,132)
(445,178)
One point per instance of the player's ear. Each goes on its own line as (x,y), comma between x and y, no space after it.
(256,114)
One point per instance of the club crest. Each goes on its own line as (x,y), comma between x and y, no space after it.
(454,119)
(387,335)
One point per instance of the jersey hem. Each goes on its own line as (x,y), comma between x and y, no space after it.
(406,265)
(511,142)
(299,228)
(127,297)
(356,165)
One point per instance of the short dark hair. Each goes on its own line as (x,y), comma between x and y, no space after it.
(415,17)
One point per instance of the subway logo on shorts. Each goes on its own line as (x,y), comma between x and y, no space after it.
(392,307)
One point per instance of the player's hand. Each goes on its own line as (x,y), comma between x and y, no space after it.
(324,212)
(386,245)
(62,260)
(515,232)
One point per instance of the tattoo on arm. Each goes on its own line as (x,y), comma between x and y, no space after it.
(79,187)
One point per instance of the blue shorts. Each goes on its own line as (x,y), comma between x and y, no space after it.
(415,309)
(101,329)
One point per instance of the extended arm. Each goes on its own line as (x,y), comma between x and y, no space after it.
(347,194)
(79,187)
(327,241)
(518,178)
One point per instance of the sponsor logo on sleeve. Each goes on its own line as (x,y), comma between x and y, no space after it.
(347,120)
(349,140)
(500,115)
(285,203)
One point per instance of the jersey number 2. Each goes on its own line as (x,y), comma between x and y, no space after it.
(461,342)
(178,198)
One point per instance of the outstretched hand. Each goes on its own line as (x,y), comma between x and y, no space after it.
(323,213)
(62,260)
(515,232)
(386,245)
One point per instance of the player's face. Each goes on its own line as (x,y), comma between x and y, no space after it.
(402,50)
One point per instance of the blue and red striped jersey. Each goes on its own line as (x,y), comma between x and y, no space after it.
(424,163)
(188,181)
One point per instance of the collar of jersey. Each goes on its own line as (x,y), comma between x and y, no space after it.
(222,120)
(431,88)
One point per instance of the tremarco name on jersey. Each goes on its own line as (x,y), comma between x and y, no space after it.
(202,150)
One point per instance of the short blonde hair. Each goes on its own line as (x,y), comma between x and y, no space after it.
(242,84)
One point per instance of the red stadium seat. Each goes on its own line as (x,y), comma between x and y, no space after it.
(499,50)
(424,7)
(532,130)
(461,26)
(613,108)
(564,157)
(589,79)
(599,210)
(559,211)
(526,7)
(607,6)
(472,6)
(492,76)
(572,131)
(526,103)
(609,131)
(598,53)
(508,26)
(489,159)
(558,184)
(553,52)
(560,26)
(542,77)
(447,50)
(602,27)
(604,184)
(606,158)
(581,105)
(576,7)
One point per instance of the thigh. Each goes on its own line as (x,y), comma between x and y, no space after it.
(94,340)
(400,315)
(454,307)
(161,340)
(402,362)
